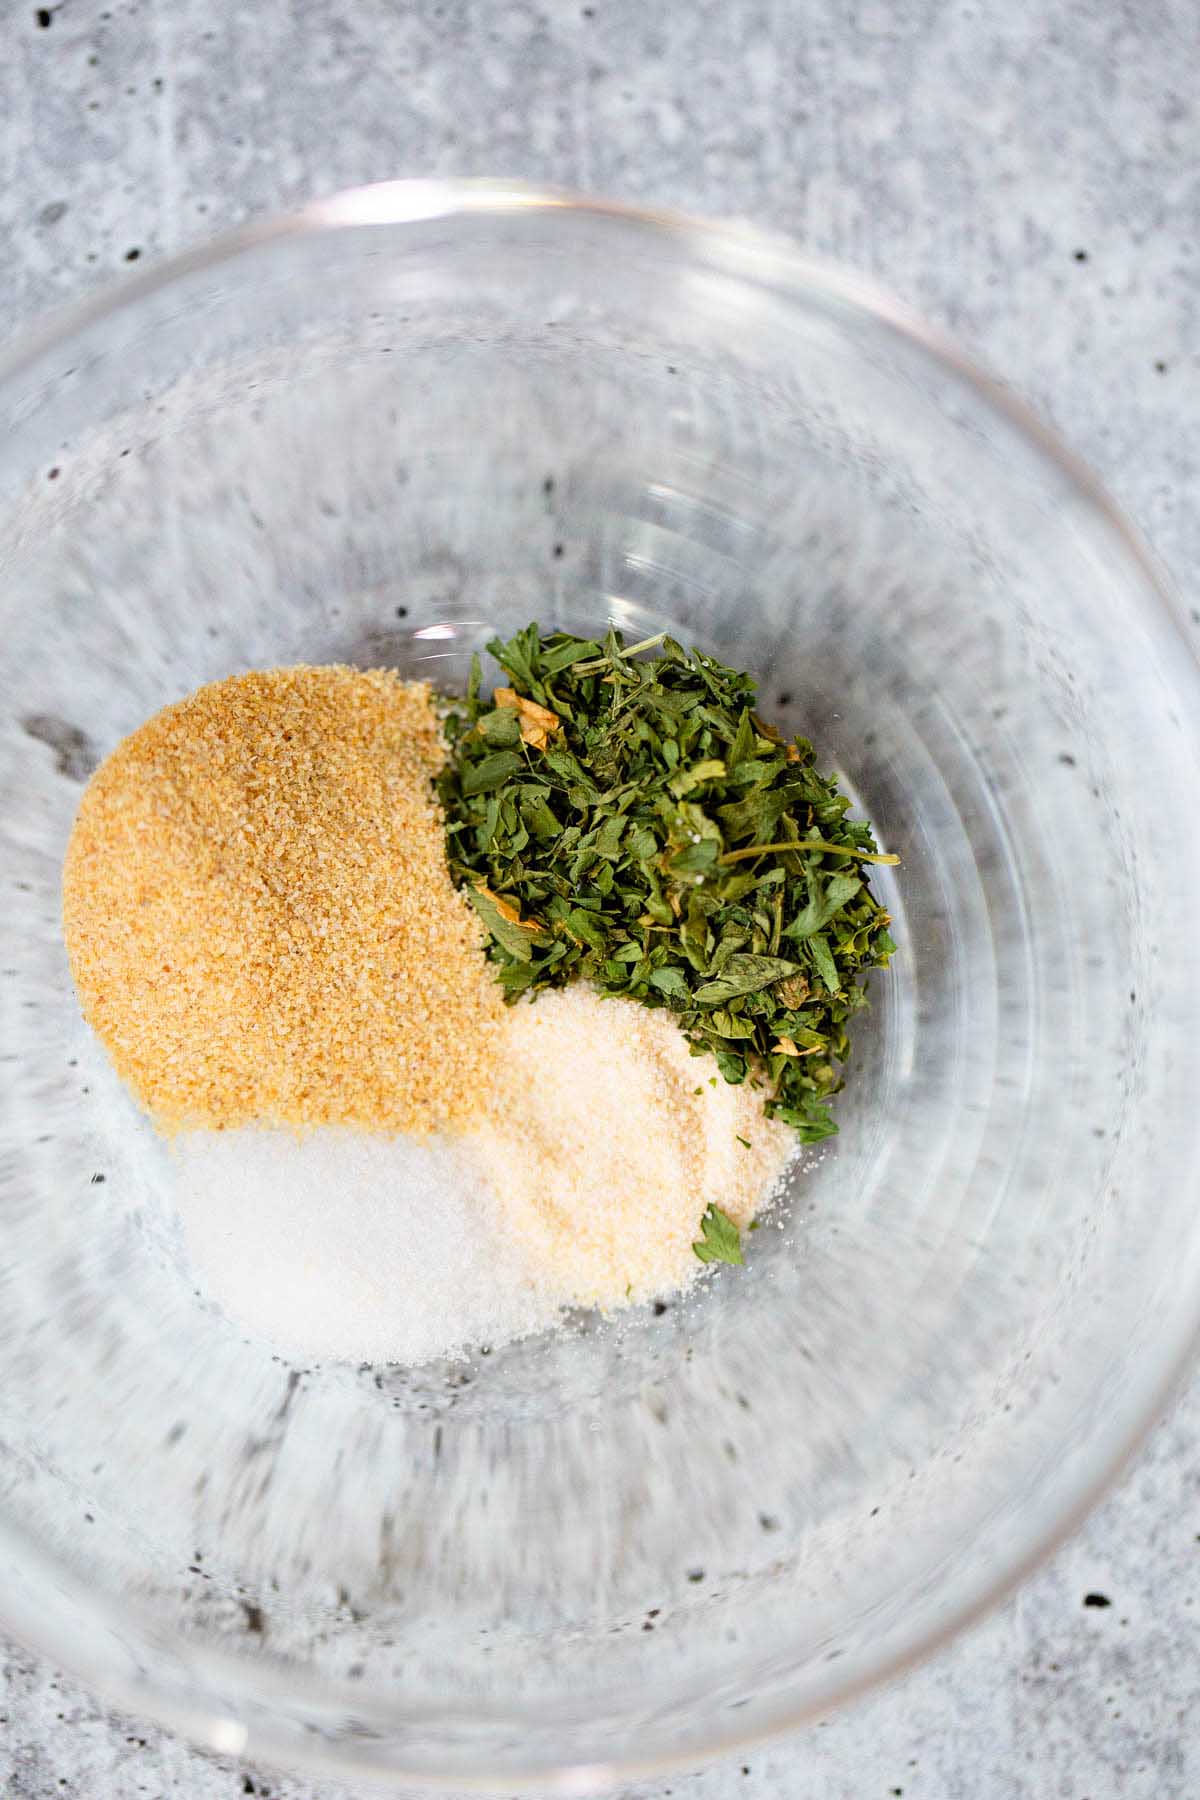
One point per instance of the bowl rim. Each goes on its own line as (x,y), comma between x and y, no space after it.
(750,252)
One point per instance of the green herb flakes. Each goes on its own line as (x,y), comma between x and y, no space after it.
(635,822)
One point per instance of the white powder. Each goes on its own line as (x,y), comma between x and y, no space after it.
(341,1244)
(600,1142)
(606,1139)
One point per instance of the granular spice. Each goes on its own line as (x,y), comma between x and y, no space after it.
(264,933)
(259,917)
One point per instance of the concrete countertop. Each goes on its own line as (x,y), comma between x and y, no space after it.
(1029,178)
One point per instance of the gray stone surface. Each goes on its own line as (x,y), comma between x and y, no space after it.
(1028,177)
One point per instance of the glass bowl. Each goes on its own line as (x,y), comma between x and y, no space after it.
(382,431)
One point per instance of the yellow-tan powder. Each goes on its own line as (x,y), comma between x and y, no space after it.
(259,917)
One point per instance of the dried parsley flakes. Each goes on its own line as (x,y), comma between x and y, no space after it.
(635,822)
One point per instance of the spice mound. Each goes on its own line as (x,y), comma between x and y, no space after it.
(461,1017)
(634,822)
(604,1139)
(259,916)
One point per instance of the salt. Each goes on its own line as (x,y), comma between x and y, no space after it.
(341,1244)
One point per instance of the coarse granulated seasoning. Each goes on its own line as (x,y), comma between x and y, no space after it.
(259,917)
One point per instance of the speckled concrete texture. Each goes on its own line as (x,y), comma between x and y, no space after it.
(1029,177)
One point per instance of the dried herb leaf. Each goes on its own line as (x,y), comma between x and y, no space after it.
(719,1240)
(517,936)
(490,772)
(743,975)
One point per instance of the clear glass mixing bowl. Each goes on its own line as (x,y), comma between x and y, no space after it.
(382,431)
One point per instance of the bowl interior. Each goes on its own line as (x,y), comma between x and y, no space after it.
(384,442)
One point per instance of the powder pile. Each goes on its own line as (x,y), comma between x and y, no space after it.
(605,1139)
(259,917)
(340,1244)
(582,1183)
